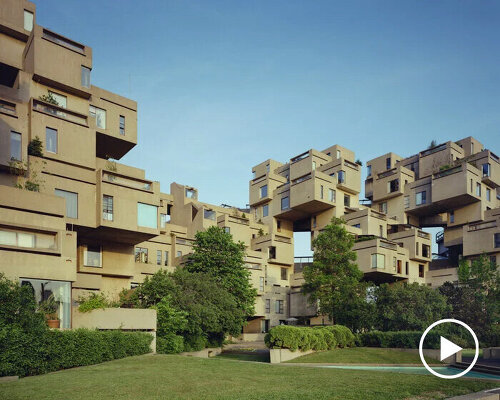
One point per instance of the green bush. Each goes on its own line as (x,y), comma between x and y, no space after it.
(169,344)
(307,338)
(400,339)
(24,353)
(94,301)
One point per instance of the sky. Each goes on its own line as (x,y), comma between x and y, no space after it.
(224,85)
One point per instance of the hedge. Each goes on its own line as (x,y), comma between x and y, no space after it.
(309,338)
(169,344)
(399,339)
(23,353)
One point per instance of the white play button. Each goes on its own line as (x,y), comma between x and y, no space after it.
(447,348)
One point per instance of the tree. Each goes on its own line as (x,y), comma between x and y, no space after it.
(403,307)
(432,144)
(333,280)
(476,300)
(217,255)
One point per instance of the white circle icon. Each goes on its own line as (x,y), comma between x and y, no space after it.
(451,348)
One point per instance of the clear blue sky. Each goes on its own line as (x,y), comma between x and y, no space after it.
(224,85)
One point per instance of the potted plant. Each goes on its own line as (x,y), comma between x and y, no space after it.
(49,307)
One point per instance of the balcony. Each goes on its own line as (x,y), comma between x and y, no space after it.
(479,238)
(312,193)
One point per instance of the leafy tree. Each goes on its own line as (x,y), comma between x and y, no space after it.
(217,255)
(333,280)
(432,144)
(406,307)
(476,300)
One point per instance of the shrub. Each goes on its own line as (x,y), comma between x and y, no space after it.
(169,344)
(23,353)
(400,339)
(307,338)
(94,301)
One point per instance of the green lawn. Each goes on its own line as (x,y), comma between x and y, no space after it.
(362,355)
(178,377)
(248,356)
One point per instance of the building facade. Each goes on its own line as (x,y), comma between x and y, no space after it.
(74,220)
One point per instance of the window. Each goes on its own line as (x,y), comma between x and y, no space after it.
(478,189)
(321,191)
(100,116)
(331,195)
(426,251)
(381,231)
(267,167)
(420,271)
(471,185)
(158,257)
(107,208)
(421,198)
(347,200)
(394,262)
(261,283)
(341,177)
(497,240)
(393,186)
(147,215)
(407,201)
(486,169)
(284,274)
(92,256)
(141,255)
(272,252)
(163,220)
(314,222)
(268,306)
(27,239)
(28,21)
(278,306)
(122,125)
(191,194)
(227,229)
(278,225)
(85,77)
(407,268)
(388,163)
(265,324)
(59,98)
(15,145)
(209,214)
(452,217)
(71,202)
(263,191)
(369,170)
(51,140)
(338,153)
(357,226)
(399,269)
(488,194)
(314,165)
(285,203)
(265,210)
(378,261)
(417,249)
(166,258)
(179,253)
(382,207)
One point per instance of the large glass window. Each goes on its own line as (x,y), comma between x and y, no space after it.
(382,207)
(85,77)
(60,291)
(378,261)
(27,239)
(51,140)
(285,203)
(163,220)
(331,195)
(141,255)
(28,20)
(15,145)
(347,200)
(478,189)
(486,169)
(278,306)
(107,208)
(341,177)
(265,210)
(71,202)
(147,215)
(92,256)
(421,198)
(100,116)
(263,191)
(393,186)
(209,214)
(61,100)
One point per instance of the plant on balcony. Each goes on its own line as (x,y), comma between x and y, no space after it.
(95,301)
(261,232)
(359,162)
(35,147)
(27,174)
(49,308)
(49,98)
(111,165)
(432,144)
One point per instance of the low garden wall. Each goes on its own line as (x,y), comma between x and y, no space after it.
(491,352)
(125,319)
(281,355)
(204,353)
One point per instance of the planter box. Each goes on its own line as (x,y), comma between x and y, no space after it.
(281,355)
(125,319)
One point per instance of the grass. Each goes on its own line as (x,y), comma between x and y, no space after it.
(471,353)
(246,356)
(177,377)
(362,355)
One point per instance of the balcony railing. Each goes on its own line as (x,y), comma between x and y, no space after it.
(300,157)
(424,235)
(449,171)
(387,173)
(59,112)
(433,150)
(482,225)
(123,181)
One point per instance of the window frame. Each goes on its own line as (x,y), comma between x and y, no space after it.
(52,131)
(107,207)
(15,134)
